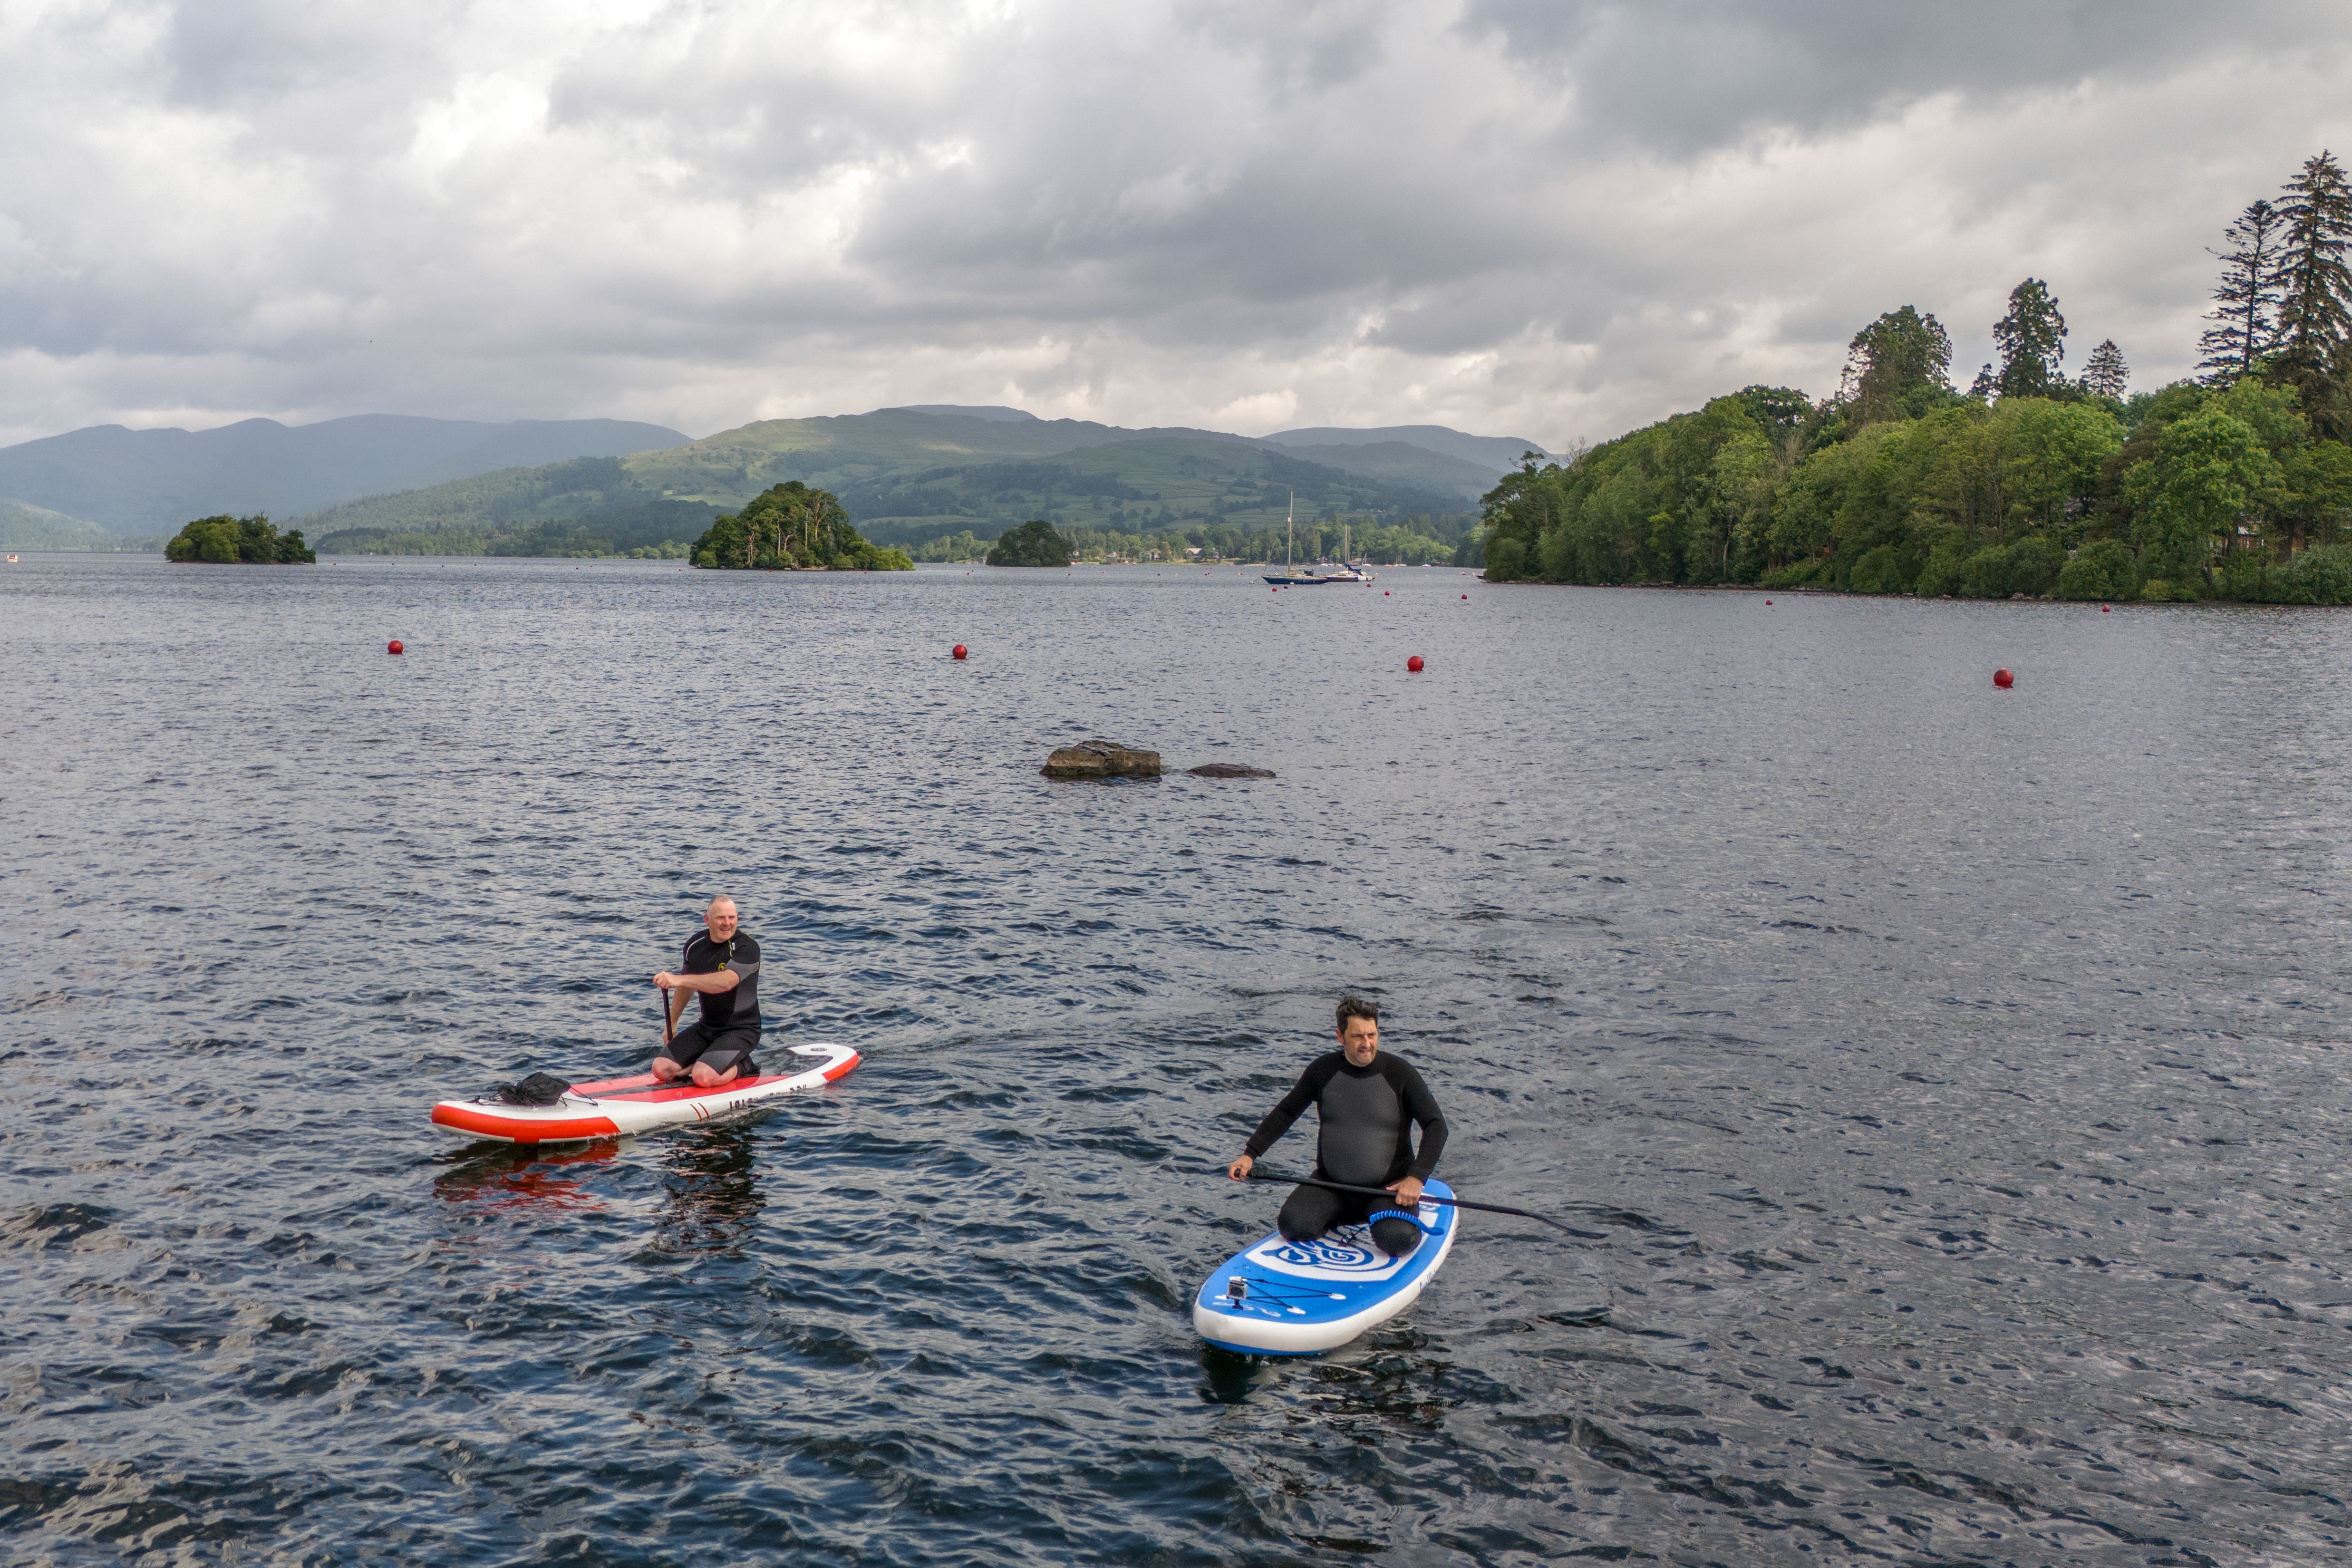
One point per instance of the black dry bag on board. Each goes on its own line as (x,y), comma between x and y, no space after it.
(539,1088)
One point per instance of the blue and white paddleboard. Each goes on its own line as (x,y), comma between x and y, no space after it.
(1299,1297)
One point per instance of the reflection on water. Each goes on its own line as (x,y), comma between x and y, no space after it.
(522,1180)
(1231,1379)
(710,1201)
(710,1197)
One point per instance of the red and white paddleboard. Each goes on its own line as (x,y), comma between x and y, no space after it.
(627,1106)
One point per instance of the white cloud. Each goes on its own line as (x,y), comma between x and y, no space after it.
(1549,220)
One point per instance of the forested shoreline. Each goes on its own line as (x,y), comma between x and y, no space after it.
(1420,541)
(2237,485)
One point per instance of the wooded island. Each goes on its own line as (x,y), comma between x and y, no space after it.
(230,541)
(1036,543)
(790,527)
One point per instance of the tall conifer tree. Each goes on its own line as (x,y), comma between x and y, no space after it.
(2315,291)
(2104,373)
(2245,302)
(2033,341)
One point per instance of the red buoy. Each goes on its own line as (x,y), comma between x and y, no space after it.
(1414,664)
(1465,595)
(1384,593)
(393,647)
(2003,679)
(2104,610)
(1768,604)
(959,650)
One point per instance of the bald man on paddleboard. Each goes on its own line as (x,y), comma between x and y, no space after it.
(721,965)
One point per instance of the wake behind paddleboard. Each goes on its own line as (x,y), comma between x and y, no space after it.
(1299,1297)
(626,1106)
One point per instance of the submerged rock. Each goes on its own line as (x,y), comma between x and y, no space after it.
(1101,759)
(1229,771)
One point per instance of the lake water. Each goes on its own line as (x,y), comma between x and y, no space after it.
(1954,1077)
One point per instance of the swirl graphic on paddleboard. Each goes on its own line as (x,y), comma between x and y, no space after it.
(1333,1257)
(1323,1254)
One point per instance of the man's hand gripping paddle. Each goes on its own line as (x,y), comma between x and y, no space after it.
(1257,1174)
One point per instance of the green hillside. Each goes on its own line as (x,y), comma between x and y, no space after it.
(670,496)
(138,481)
(830,453)
(508,499)
(1128,486)
(24,527)
(1400,463)
(905,477)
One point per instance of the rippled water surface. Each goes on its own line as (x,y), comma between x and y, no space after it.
(1953,1079)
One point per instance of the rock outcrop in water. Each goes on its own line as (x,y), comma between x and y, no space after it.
(1101,759)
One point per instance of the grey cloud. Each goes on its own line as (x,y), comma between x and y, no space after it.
(1687,75)
(1560,219)
(262,52)
(1317,45)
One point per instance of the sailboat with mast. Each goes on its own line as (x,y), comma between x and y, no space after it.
(1291,577)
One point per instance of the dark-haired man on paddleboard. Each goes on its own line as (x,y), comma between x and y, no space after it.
(1365,1104)
(721,965)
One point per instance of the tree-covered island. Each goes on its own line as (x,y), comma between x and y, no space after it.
(790,527)
(1034,543)
(2235,485)
(228,541)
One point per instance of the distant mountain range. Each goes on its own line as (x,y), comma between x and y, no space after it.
(385,483)
(152,481)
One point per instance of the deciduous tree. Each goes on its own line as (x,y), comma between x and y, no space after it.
(2187,498)
(1898,365)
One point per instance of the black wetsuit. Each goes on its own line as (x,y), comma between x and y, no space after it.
(1364,1139)
(729,1027)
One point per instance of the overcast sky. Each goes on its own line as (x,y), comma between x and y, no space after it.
(1540,219)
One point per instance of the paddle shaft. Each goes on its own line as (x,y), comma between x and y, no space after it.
(1258,1175)
(666,1014)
